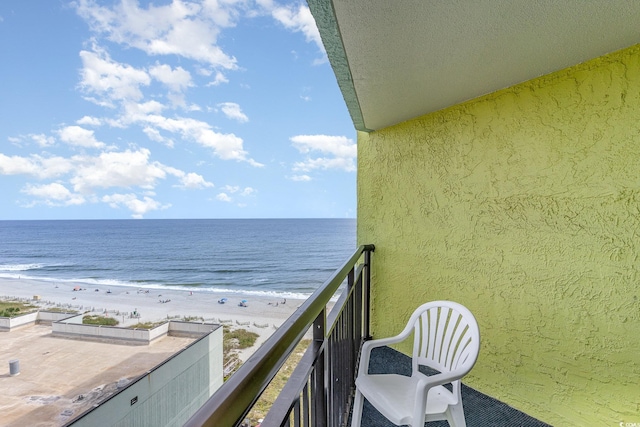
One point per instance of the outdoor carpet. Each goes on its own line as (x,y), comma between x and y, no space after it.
(480,410)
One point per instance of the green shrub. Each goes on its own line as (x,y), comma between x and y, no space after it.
(99,320)
(146,325)
(273,390)
(239,339)
(234,340)
(193,319)
(60,310)
(14,308)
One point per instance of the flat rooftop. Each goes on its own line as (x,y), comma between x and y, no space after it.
(62,378)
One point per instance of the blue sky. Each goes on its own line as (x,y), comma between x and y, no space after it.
(170,109)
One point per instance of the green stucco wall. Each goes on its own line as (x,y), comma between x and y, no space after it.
(523,205)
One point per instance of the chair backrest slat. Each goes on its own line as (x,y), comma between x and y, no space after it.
(448,337)
(463,354)
(444,336)
(442,314)
(455,348)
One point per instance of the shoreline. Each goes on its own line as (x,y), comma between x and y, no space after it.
(151,286)
(262,314)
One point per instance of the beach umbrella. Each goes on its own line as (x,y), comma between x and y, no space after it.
(77,288)
(244,300)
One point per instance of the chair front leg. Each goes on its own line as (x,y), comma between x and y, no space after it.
(358,403)
(455,415)
(419,406)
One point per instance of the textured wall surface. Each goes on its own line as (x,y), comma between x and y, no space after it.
(523,205)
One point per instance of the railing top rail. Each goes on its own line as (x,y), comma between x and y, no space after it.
(230,403)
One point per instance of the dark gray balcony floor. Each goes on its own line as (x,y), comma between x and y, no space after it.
(480,410)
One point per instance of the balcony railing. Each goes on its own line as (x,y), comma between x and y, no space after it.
(319,390)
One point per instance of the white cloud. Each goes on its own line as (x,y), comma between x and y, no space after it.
(89,121)
(238,191)
(87,174)
(203,71)
(231,188)
(194,181)
(134,112)
(177,100)
(79,137)
(254,163)
(342,152)
(218,79)
(16,165)
(54,194)
(301,178)
(223,197)
(154,135)
(124,169)
(35,165)
(226,146)
(54,166)
(137,206)
(177,79)
(116,169)
(233,111)
(42,140)
(339,146)
(187,29)
(298,18)
(325,163)
(248,191)
(110,80)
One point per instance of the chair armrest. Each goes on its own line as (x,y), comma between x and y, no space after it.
(370,345)
(430,381)
(424,384)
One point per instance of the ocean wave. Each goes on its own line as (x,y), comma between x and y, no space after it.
(91,281)
(20,267)
(213,289)
(84,281)
(273,294)
(148,284)
(297,287)
(202,288)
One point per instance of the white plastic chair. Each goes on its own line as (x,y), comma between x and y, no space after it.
(447,339)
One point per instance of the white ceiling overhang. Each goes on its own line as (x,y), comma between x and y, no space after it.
(400,59)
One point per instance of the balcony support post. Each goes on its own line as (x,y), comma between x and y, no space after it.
(318,393)
(366,295)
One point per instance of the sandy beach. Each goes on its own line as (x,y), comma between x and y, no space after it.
(261,314)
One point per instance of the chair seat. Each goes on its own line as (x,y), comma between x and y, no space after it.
(394,395)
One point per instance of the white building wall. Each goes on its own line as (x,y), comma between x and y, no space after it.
(8,323)
(169,394)
(55,316)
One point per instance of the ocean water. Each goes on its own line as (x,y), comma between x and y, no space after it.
(271,257)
